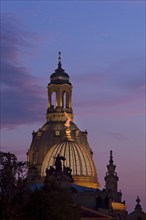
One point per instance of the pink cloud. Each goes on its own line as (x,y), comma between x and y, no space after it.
(15,38)
(19,88)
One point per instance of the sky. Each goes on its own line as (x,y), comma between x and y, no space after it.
(103,50)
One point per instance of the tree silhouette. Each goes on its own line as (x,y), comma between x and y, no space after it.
(19,202)
(12,178)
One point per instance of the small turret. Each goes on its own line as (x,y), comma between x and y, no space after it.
(137,213)
(111,178)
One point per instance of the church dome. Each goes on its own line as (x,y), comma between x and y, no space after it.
(50,140)
(59,76)
(78,160)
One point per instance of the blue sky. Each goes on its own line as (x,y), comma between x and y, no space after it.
(103,51)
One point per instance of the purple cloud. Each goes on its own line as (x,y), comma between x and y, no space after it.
(121,86)
(15,39)
(19,89)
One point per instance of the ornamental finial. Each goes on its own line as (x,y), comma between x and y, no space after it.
(59,56)
(138,206)
(111,157)
(59,59)
(138,200)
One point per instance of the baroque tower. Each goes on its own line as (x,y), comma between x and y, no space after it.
(110,197)
(50,140)
(111,182)
(111,178)
(60,89)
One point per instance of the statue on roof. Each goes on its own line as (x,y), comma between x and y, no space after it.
(68,120)
(58,164)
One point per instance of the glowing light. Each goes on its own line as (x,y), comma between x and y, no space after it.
(118,206)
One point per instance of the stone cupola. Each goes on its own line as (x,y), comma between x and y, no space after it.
(59,94)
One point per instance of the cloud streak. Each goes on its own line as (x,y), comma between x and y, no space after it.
(19,88)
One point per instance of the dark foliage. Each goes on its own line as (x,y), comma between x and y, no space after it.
(12,180)
(18,202)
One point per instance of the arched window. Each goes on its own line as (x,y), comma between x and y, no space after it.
(67,100)
(53,100)
(64,99)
